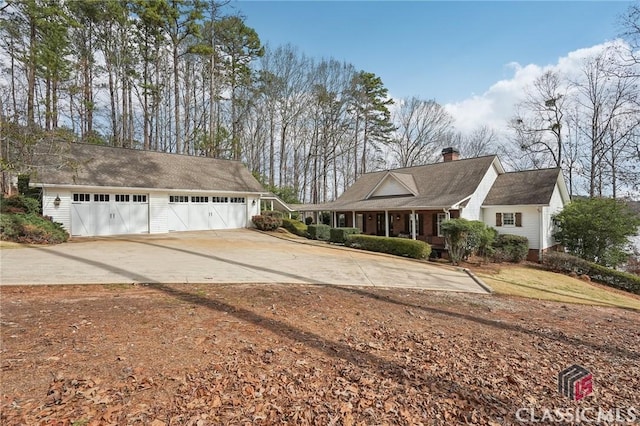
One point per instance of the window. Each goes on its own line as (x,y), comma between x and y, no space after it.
(81,198)
(219,199)
(237,200)
(199,199)
(103,198)
(139,198)
(178,198)
(122,198)
(441,218)
(509,219)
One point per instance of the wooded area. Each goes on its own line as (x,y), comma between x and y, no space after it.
(188,76)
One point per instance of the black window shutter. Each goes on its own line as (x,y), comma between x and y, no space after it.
(498,219)
(519,219)
(434,225)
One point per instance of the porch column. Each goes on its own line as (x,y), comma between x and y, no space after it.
(353,219)
(386,223)
(413,224)
(271,205)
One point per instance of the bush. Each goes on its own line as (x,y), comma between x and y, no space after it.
(339,235)
(31,228)
(510,248)
(295,227)
(464,237)
(308,220)
(19,204)
(319,232)
(272,213)
(563,262)
(266,223)
(397,246)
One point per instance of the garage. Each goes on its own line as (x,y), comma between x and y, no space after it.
(109,214)
(104,190)
(203,212)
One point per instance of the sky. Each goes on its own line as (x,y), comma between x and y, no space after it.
(456,52)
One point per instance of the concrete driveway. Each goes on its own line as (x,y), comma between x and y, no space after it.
(237,256)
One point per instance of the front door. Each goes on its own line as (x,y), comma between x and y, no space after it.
(380,224)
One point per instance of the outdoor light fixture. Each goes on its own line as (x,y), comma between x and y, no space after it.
(56,201)
(398,217)
(253,203)
(369,217)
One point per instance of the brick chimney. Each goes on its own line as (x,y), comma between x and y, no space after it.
(450,154)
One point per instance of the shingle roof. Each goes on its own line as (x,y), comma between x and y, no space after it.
(439,185)
(530,187)
(95,165)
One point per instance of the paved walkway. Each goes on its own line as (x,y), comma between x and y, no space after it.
(237,256)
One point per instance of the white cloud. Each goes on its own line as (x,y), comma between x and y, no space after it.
(496,106)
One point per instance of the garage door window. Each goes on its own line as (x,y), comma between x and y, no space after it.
(219,199)
(81,198)
(199,199)
(102,198)
(178,199)
(237,200)
(139,198)
(122,198)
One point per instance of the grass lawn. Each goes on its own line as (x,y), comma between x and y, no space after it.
(531,282)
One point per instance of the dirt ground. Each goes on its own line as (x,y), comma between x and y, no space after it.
(275,354)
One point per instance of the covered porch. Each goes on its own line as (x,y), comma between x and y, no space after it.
(418,224)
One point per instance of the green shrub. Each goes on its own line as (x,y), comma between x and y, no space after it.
(31,228)
(397,246)
(510,248)
(266,223)
(272,213)
(464,237)
(339,235)
(295,227)
(319,232)
(308,220)
(563,262)
(19,204)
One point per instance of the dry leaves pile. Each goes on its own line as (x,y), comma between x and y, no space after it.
(199,355)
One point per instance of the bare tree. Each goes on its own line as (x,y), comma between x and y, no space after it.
(422,128)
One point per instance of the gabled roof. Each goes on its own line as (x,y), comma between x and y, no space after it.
(405,181)
(530,187)
(439,185)
(105,166)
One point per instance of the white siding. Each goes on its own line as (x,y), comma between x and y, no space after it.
(390,186)
(473,210)
(61,213)
(158,212)
(555,206)
(530,222)
(252,210)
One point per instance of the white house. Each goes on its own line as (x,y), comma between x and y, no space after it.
(412,202)
(100,190)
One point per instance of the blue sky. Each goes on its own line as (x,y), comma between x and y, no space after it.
(448,51)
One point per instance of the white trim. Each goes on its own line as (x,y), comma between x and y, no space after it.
(384,179)
(140,189)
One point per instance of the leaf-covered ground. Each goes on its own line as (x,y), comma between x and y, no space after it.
(292,354)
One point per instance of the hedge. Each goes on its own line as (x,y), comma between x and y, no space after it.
(339,235)
(563,262)
(397,246)
(19,204)
(31,228)
(295,227)
(510,248)
(266,223)
(319,232)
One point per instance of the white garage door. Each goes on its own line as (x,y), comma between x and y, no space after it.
(109,214)
(201,212)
